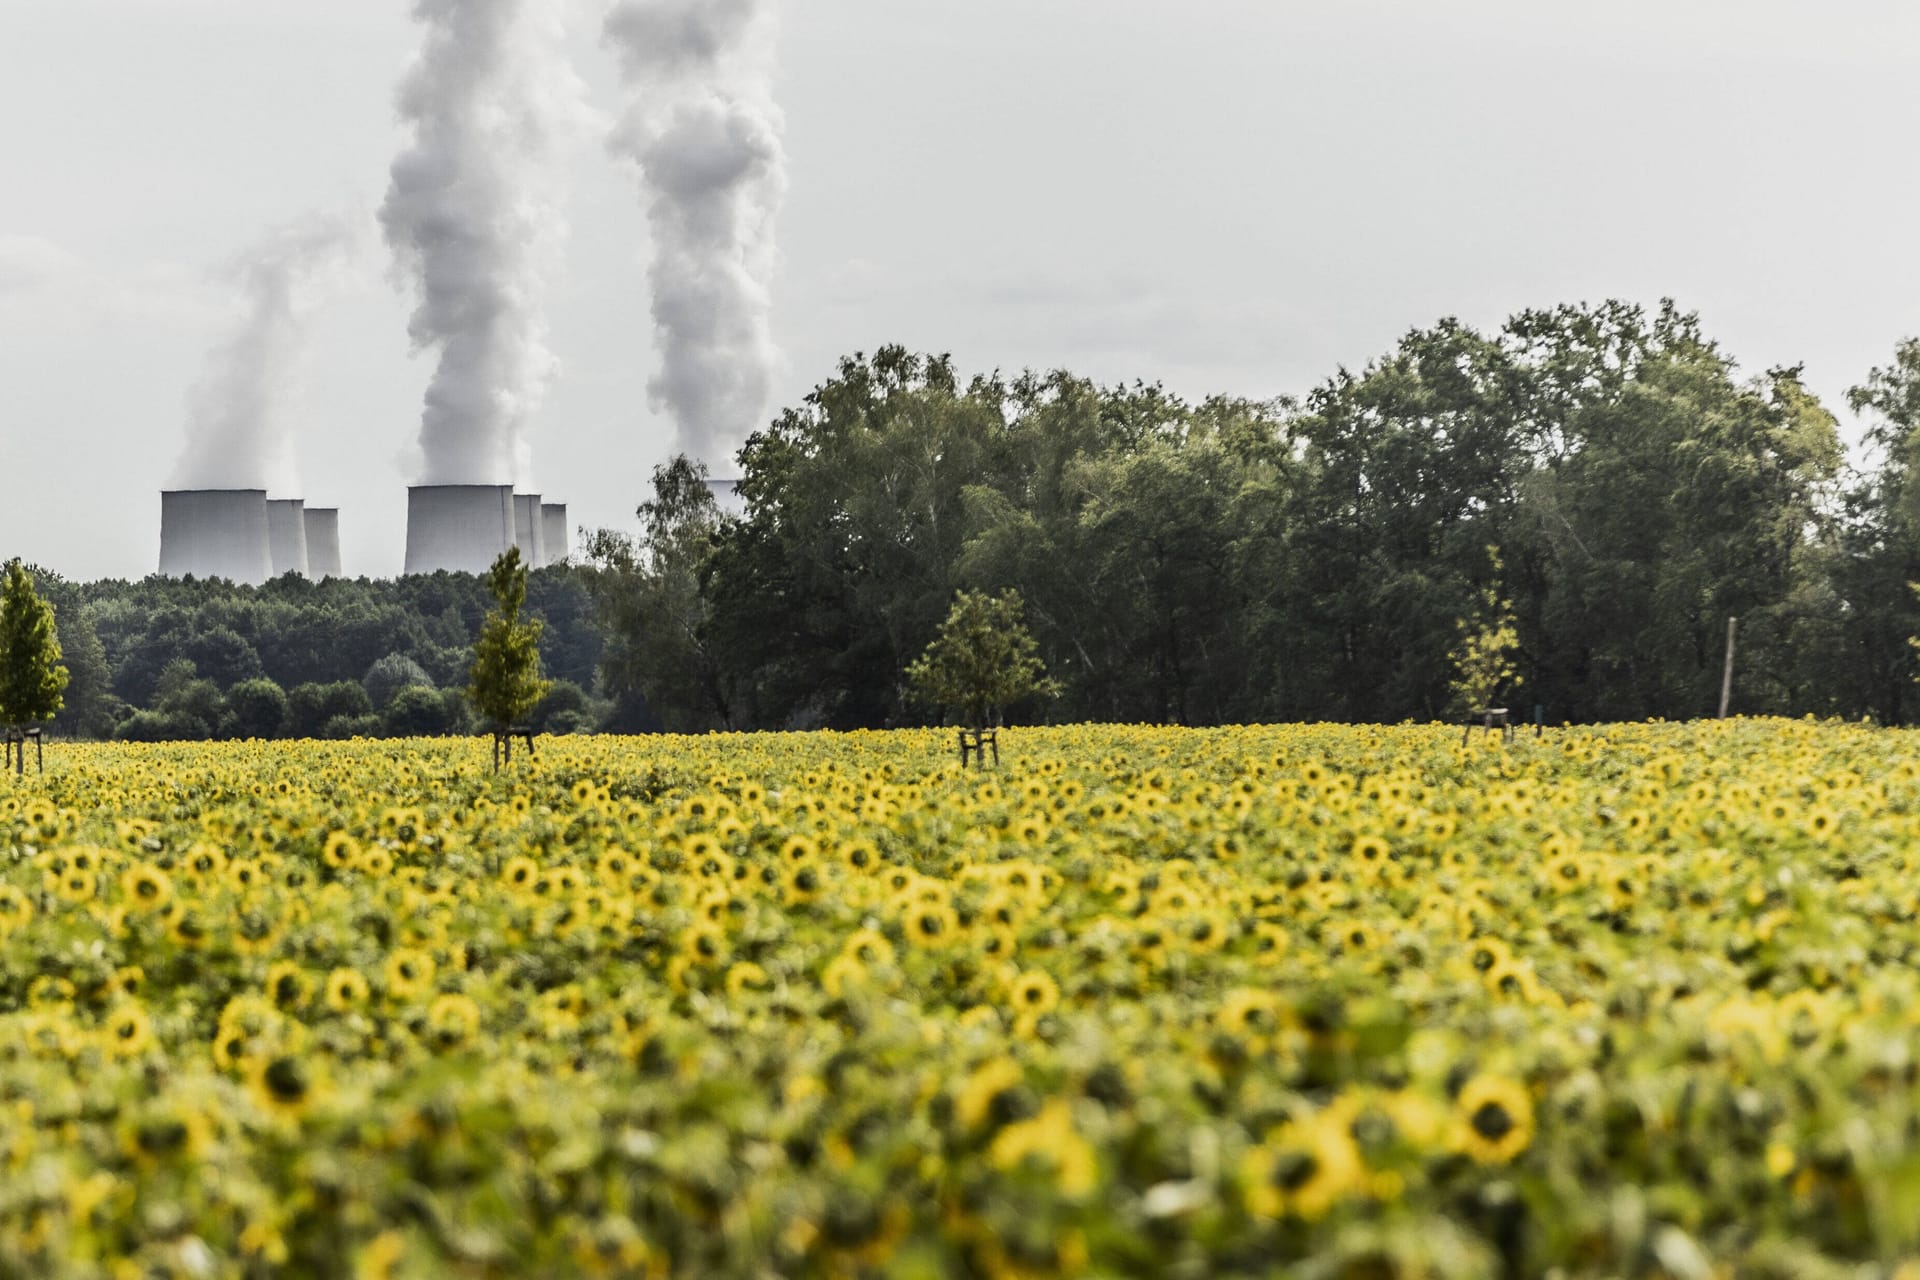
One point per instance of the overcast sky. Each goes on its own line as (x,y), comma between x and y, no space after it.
(1229,196)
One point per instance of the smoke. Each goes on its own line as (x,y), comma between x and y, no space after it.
(472,217)
(703,127)
(238,434)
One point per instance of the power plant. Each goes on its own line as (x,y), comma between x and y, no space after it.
(247,538)
(553,519)
(287,535)
(473,212)
(323,542)
(463,528)
(215,533)
(529,530)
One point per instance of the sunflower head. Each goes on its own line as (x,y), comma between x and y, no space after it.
(1493,1119)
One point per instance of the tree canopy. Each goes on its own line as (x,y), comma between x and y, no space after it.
(1235,560)
(1204,562)
(504,683)
(981,661)
(32,676)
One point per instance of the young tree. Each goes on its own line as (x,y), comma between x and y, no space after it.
(1483,660)
(504,683)
(32,677)
(982,660)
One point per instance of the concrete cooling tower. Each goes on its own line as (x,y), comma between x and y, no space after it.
(461,528)
(553,519)
(323,542)
(215,533)
(287,535)
(529,531)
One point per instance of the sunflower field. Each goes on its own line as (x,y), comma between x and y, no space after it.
(1317,1001)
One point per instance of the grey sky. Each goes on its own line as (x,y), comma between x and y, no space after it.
(1233,196)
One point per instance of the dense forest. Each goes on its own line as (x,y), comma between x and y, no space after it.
(1605,471)
(168,659)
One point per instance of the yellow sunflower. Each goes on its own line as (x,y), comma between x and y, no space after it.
(346,989)
(127,1031)
(146,888)
(1493,1119)
(1303,1169)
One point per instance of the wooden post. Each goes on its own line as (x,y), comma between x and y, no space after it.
(16,757)
(974,745)
(1726,675)
(503,744)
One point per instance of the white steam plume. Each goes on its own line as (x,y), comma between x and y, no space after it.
(703,127)
(473,219)
(238,434)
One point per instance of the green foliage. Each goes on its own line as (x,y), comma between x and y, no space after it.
(504,683)
(189,700)
(223,656)
(311,633)
(565,709)
(311,706)
(658,665)
(390,675)
(1483,660)
(255,709)
(416,711)
(982,660)
(32,676)
(1224,561)
(340,728)
(1233,561)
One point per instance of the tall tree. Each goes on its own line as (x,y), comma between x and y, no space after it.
(1406,471)
(1681,497)
(648,599)
(856,512)
(1877,551)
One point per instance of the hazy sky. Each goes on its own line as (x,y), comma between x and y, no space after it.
(1232,196)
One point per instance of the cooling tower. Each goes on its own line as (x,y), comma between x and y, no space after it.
(323,542)
(529,532)
(215,533)
(727,494)
(287,535)
(461,528)
(553,519)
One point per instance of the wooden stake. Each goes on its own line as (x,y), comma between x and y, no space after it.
(1726,676)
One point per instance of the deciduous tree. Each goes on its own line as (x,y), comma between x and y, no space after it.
(982,661)
(32,676)
(504,683)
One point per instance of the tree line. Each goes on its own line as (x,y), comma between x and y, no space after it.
(1605,473)
(166,659)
